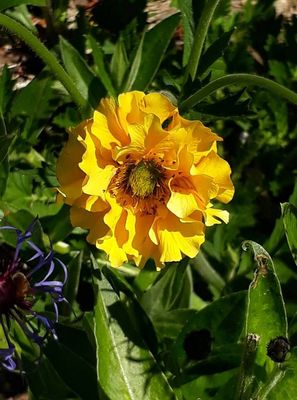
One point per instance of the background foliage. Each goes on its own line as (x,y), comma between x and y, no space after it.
(180,333)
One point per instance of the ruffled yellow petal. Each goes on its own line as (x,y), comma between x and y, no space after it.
(177,238)
(98,170)
(108,109)
(214,216)
(214,166)
(69,174)
(116,254)
(182,204)
(89,220)
(129,110)
(101,131)
(159,105)
(91,203)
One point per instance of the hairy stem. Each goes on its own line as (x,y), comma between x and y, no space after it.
(47,57)
(238,79)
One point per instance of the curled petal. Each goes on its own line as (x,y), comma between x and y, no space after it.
(6,357)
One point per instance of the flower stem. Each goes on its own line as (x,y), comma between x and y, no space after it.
(209,274)
(200,35)
(47,57)
(241,79)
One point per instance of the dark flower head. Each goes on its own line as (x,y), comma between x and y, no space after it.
(19,289)
(278,348)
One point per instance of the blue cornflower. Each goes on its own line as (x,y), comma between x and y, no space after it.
(19,291)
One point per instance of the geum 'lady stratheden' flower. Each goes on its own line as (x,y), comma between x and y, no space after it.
(19,291)
(142,179)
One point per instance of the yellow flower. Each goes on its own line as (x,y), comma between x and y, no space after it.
(142,179)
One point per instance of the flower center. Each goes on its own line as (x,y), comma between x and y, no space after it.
(143,179)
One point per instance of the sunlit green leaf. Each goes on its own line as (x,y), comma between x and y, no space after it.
(87,83)
(185,7)
(119,62)
(99,66)
(122,355)
(134,70)
(266,314)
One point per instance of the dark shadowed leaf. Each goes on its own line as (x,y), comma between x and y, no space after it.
(45,383)
(229,107)
(185,7)
(214,51)
(12,3)
(6,85)
(4,170)
(5,143)
(224,319)
(155,44)
(170,291)
(289,215)
(59,226)
(119,62)
(74,360)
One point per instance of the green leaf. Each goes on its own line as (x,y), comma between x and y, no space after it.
(12,3)
(222,358)
(185,7)
(45,383)
(281,383)
(124,364)
(87,83)
(266,314)
(155,44)
(59,226)
(171,291)
(289,215)
(137,314)
(119,62)
(169,324)
(146,276)
(99,65)
(214,51)
(36,112)
(134,67)
(18,193)
(224,319)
